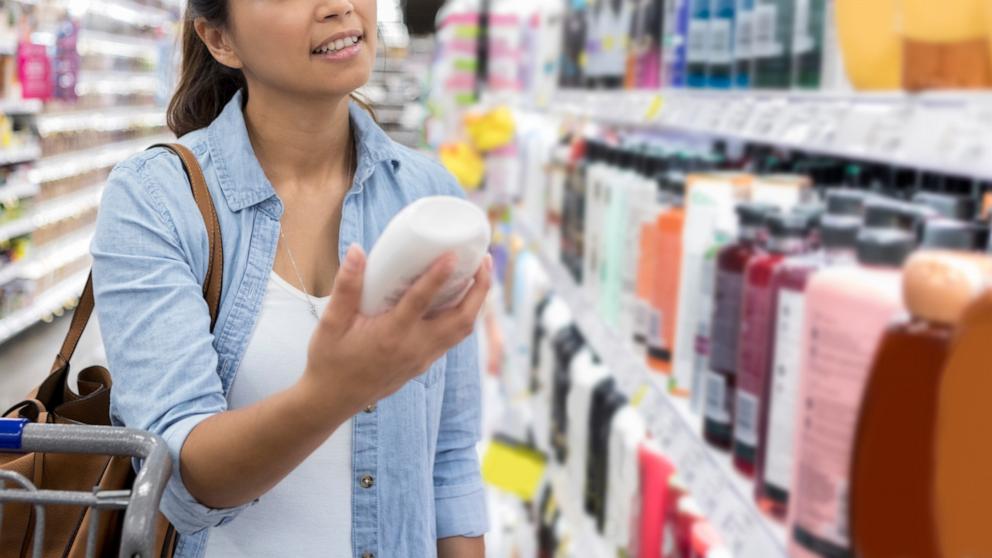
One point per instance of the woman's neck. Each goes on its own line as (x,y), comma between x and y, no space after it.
(300,144)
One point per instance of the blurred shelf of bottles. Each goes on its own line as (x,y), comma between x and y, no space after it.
(898,82)
(759,309)
(82,86)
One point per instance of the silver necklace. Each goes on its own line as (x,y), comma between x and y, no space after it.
(299,277)
(289,252)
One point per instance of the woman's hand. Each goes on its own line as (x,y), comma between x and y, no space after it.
(368,358)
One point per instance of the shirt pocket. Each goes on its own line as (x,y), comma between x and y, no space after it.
(433,374)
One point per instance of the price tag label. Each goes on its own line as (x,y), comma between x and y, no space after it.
(762,124)
(653,111)
(709,115)
(826,122)
(886,136)
(735,118)
(797,123)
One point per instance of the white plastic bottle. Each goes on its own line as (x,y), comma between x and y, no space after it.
(417,236)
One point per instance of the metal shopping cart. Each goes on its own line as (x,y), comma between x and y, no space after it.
(140,504)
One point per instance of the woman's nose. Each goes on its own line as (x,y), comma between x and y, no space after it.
(330,9)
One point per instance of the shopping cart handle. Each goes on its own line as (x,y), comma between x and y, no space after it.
(140,518)
(11,432)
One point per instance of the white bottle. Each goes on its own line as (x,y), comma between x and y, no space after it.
(417,236)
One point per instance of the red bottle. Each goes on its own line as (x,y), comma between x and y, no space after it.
(775,458)
(787,236)
(718,421)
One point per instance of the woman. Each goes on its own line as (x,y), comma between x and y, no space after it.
(298,427)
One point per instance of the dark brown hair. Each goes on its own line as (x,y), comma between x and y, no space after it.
(205,85)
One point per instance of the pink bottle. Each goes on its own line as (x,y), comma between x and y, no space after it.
(847,311)
(838,236)
(787,235)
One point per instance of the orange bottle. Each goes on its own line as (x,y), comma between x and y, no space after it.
(963,459)
(891,498)
(667,274)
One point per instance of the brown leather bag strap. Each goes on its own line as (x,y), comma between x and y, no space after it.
(212,284)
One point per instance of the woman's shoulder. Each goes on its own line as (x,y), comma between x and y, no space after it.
(424,171)
(154,177)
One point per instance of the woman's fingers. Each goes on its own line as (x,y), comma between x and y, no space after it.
(417,299)
(458,323)
(346,297)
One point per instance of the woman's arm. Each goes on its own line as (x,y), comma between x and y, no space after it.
(461,547)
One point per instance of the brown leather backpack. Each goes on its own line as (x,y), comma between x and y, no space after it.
(54,401)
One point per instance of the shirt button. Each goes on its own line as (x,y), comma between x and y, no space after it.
(368,555)
(367,481)
(370,408)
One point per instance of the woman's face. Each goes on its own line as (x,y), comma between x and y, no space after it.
(304,47)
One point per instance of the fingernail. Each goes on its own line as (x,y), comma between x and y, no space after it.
(351,258)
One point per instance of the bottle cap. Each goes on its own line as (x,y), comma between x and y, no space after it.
(938,285)
(752,214)
(839,231)
(948,234)
(884,247)
(887,213)
(846,201)
(947,205)
(788,225)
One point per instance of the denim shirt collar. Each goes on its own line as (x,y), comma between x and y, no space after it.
(241,177)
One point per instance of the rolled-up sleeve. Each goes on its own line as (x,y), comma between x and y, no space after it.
(459,495)
(156,326)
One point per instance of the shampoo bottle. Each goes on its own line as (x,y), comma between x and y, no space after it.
(847,311)
(413,240)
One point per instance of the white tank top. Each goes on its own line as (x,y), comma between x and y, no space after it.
(309,512)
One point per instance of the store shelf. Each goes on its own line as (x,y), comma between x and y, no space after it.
(946,132)
(18,190)
(124,46)
(117,83)
(53,212)
(78,162)
(103,120)
(725,496)
(49,258)
(22,154)
(20,106)
(49,303)
(127,12)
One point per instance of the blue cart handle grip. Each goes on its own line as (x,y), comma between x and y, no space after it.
(11,432)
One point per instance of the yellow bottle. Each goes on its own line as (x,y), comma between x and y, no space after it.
(870,43)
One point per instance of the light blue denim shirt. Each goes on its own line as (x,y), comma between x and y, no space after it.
(170,373)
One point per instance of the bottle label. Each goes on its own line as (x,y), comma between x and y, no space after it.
(766,43)
(721,41)
(746,425)
(744,36)
(655,332)
(844,326)
(784,389)
(717,409)
(698,50)
(726,321)
(802,40)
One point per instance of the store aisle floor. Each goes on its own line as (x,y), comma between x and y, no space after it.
(26,359)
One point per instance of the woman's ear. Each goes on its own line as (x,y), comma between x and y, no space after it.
(218,42)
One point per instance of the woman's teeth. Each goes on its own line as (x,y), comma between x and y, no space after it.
(337,45)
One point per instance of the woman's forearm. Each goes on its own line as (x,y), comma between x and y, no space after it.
(461,547)
(237,456)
